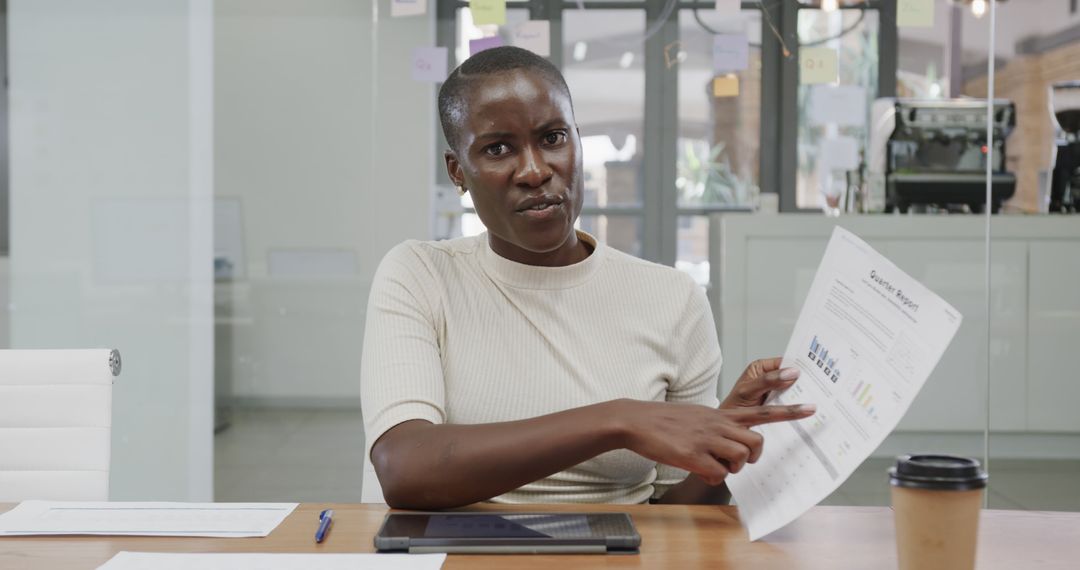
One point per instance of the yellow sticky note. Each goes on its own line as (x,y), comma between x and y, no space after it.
(725,86)
(488,12)
(915,13)
(818,65)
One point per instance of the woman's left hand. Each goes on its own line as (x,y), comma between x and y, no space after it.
(759,379)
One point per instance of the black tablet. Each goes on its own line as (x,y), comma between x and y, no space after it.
(507,533)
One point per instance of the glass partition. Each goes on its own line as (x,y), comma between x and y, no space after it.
(320,131)
(1034,443)
(232,189)
(852,126)
(110,188)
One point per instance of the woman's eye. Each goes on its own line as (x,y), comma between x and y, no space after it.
(555,137)
(497,149)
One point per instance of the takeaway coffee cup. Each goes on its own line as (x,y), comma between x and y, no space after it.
(936,501)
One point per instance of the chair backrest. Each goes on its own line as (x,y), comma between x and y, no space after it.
(55,423)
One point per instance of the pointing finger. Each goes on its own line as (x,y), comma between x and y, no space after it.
(758,415)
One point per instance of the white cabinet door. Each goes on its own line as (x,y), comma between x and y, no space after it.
(1054,336)
(953,398)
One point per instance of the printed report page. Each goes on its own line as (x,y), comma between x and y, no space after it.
(866,340)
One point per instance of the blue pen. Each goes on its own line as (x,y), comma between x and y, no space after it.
(325,518)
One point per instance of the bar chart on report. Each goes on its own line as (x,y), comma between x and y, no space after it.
(864,397)
(825,361)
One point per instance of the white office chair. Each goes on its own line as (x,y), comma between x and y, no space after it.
(55,424)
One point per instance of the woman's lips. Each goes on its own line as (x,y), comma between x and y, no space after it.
(544,213)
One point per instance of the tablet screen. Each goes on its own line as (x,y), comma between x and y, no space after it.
(538,525)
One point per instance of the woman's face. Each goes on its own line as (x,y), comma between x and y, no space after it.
(519,154)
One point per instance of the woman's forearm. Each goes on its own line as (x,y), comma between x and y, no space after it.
(427,466)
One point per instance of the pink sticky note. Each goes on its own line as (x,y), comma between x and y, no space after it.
(429,64)
(731,52)
(477,46)
(534,35)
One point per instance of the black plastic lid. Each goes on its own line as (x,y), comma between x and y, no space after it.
(937,472)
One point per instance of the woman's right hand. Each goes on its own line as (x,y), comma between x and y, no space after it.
(708,442)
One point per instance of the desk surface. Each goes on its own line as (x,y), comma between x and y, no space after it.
(673,536)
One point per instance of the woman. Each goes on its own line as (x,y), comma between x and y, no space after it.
(533,364)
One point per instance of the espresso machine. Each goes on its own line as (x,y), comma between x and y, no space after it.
(1065,177)
(930,155)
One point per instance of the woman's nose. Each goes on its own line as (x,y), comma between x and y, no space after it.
(533,170)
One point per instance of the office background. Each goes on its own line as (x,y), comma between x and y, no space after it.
(209,185)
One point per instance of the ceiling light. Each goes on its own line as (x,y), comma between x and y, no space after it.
(978,8)
(626,60)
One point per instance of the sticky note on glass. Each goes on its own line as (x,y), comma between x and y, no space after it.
(534,35)
(731,52)
(915,13)
(818,65)
(429,64)
(728,8)
(477,46)
(399,8)
(843,105)
(725,86)
(488,12)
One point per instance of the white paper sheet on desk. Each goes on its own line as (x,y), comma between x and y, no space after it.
(144,519)
(262,561)
(867,338)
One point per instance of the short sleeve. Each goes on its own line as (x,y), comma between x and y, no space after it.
(401,375)
(699,371)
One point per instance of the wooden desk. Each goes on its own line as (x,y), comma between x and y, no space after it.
(674,537)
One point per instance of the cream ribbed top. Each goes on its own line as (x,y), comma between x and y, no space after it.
(458,334)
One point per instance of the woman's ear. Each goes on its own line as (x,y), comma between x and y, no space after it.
(453,168)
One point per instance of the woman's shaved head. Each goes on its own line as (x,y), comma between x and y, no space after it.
(453,92)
